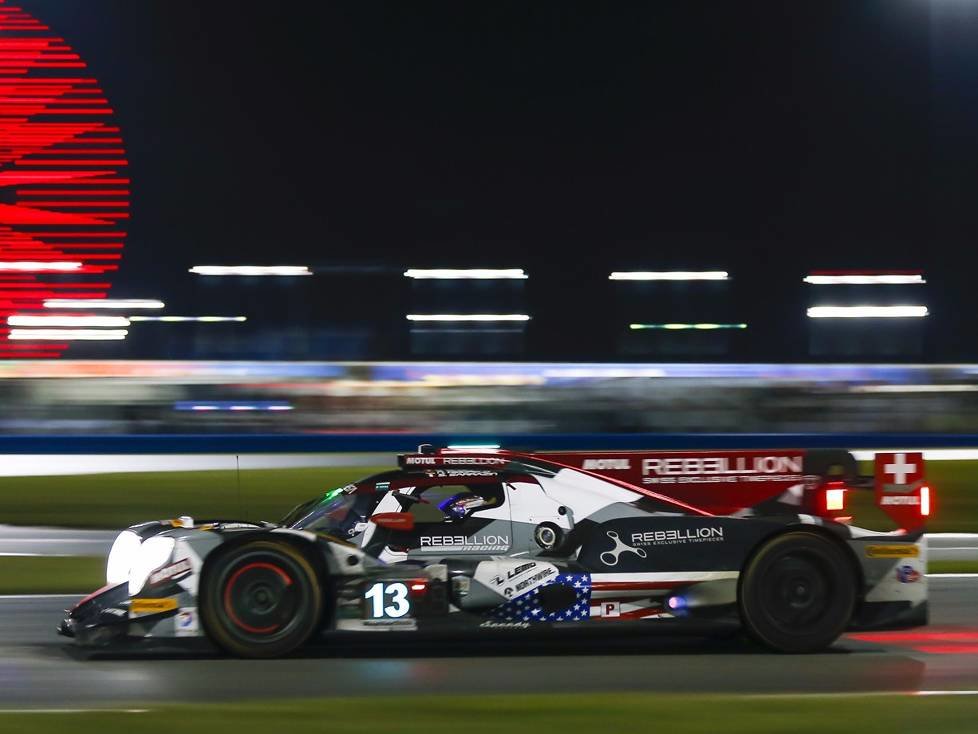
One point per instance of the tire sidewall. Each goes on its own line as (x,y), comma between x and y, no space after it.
(221,630)
(759,623)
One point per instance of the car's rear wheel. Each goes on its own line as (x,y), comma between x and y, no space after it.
(261,599)
(797,593)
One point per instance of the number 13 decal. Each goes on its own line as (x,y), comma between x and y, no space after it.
(380,592)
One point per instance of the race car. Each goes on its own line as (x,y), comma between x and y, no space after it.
(680,541)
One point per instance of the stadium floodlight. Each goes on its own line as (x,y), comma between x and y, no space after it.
(466,273)
(65,335)
(117,304)
(864,279)
(681,327)
(866,312)
(286,270)
(181,319)
(468,317)
(670,275)
(70,321)
(34,266)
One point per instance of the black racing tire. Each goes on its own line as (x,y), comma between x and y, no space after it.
(797,593)
(262,599)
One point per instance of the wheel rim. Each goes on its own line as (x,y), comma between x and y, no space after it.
(261,597)
(797,591)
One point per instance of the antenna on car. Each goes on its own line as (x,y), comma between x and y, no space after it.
(426,448)
(237,467)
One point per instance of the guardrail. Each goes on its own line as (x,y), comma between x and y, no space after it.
(401,442)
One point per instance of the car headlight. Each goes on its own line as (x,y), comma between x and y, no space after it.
(123,552)
(152,554)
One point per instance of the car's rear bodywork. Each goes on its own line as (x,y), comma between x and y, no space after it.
(498,539)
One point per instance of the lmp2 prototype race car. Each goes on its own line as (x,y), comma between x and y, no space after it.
(680,541)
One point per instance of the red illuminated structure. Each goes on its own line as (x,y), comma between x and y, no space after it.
(64,194)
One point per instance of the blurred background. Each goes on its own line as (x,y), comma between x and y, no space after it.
(328,231)
(115,397)
(346,217)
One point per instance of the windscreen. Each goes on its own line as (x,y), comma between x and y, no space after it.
(339,512)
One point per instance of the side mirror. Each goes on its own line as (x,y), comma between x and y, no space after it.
(393,520)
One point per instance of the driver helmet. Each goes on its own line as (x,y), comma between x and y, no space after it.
(459,505)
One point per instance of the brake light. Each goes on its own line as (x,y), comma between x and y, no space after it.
(418,587)
(835,499)
(924,501)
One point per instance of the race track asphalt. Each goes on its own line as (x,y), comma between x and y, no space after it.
(38,669)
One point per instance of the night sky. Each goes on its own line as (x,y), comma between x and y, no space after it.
(572,139)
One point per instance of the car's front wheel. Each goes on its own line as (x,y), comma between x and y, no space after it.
(261,599)
(797,593)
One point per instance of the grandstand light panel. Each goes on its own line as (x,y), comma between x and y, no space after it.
(181,319)
(682,327)
(466,273)
(670,275)
(866,312)
(66,335)
(35,266)
(117,304)
(864,279)
(67,321)
(468,317)
(251,270)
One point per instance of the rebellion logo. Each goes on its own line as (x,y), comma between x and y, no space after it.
(455,460)
(720,465)
(678,537)
(462,543)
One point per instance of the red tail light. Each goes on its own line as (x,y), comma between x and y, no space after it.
(418,587)
(835,499)
(924,501)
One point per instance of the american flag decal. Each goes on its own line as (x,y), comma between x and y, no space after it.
(526,607)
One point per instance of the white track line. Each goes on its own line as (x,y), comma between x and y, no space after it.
(66,539)
(73,711)
(947,693)
(857,694)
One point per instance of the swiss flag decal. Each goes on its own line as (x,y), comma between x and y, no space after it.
(900,468)
(899,478)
